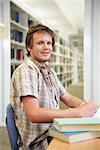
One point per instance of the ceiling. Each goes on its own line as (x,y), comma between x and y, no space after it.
(66,16)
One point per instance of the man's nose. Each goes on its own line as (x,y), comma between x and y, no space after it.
(46,44)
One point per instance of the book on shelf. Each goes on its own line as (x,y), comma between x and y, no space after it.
(77,124)
(12,53)
(20,54)
(73,136)
(16,35)
(15,15)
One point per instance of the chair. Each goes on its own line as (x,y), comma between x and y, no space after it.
(11,128)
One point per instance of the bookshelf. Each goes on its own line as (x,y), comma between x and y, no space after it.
(61,60)
(20,21)
(76,46)
(18,18)
(18,29)
(80,67)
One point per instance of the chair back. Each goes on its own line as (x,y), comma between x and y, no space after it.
(11,127)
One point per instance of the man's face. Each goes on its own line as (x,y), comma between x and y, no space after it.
(42,47)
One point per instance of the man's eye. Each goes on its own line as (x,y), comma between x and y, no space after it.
(49,43)
(40,43)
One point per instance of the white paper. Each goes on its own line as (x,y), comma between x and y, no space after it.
(97,114)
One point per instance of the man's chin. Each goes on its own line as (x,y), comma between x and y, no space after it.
(42,60)
(46,59)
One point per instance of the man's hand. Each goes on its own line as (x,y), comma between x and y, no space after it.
(87,110)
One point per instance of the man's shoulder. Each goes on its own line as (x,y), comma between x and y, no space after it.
(29,63)
(26,65)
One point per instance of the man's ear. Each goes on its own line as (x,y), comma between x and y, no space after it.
(28,49)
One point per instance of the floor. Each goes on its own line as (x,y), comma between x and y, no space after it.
(76,90)
(4,141)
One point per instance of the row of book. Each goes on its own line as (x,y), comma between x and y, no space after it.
(15,15)
(17,54)
(18,16)
(16,35)
(73,130)
(62,59)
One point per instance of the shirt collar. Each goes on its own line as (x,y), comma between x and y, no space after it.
(45,66)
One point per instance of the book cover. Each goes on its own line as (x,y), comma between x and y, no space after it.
(77,124)
(72,137)
(19,54)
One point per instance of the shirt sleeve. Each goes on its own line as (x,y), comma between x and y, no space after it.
(26,81)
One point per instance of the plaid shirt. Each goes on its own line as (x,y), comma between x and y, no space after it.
(30,78)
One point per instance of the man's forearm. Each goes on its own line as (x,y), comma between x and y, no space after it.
(43,115)
(71,101)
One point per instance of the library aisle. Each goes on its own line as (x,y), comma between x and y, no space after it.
(77,69)
(67,55)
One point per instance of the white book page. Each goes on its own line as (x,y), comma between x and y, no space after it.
(97,114)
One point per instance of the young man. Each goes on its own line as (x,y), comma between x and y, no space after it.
(36,92)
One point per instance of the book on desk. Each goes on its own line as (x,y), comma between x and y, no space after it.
(73,130)
(74,136)
(77,124)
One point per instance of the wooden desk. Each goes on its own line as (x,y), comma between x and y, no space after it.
(93,144)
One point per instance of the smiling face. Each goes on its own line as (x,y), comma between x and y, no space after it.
(42,47)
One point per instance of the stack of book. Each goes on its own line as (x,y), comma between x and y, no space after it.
(73,130)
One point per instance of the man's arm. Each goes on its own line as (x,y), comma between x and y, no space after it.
(39,114)
(72,101)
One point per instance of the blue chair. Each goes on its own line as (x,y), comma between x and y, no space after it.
(11,128)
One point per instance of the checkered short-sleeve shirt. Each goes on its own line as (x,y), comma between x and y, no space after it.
(27,80)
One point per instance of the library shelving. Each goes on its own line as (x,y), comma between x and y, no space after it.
(61,60)
(76,46)
(18,19)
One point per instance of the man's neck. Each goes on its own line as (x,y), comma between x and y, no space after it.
(37,63)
